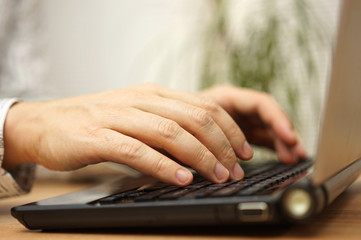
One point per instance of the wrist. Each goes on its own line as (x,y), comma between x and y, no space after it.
(15,135)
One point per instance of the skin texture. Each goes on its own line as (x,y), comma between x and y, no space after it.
(153,129)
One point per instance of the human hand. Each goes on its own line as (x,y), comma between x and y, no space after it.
(139,126)
(261,119)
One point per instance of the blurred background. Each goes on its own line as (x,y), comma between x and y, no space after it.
(282,47)
(86,46)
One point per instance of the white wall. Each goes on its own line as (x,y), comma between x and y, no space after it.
(95,45)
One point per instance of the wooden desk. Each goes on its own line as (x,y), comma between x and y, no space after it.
(342,220)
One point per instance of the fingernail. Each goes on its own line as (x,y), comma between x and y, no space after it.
(247,150)
(237,172)
(221,172)
(183,176)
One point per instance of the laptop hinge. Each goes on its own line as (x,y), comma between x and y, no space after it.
(337,184)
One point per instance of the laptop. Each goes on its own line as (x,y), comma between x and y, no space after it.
(270,193)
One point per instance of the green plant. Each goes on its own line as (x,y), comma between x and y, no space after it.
(262,61)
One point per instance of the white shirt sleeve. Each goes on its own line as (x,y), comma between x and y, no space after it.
(19,180)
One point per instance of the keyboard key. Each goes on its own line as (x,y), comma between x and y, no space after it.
(230,190)
(155,194)
(263,180)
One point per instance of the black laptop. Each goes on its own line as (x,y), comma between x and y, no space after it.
(270,193)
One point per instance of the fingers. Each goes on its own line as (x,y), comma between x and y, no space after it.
(264,122)
(162,133)
(284,136)
(286,139)
(116,147)
(270,113)
(201,125)
(287,154)
(219,115)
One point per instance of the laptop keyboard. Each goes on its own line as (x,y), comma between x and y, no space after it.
(260,180)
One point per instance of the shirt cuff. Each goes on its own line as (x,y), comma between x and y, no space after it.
(19,180)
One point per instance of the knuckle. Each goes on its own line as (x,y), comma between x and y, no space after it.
(130,150)
(201,117)
(210,105)
(159,166)
(203,156)
(168,129)
(228,153)
(234,131)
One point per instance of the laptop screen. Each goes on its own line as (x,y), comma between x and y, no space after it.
(340,137)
